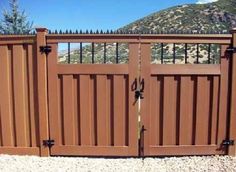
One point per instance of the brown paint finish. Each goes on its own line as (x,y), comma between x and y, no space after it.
(68,110)
(98,107)
(186,110)
(102,116)
(19,133)
(7,124)
(169,110)
(19,95)
(42,91)
(202,111)
(85,113)
(90,109)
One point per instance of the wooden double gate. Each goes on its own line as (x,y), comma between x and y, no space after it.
(136,108)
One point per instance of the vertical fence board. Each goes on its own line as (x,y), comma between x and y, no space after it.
(223,101)
(145,54)
(26,83)
(202,114)
(92,106)
(5,98)
(131,105)
(32,113)
(155,115)
(42,91)
(169,111)
(85,110)
(19,95)
(186,110)
(109,109)
(76,109)
(54,94)
(102,116)
(119,115)
(68,110)
(215,103)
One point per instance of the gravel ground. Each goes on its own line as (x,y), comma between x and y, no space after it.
(32,163)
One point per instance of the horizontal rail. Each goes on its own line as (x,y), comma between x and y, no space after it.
(92,69)
(159,38)
(185,69)
(185,150)
(19,150)
(17,39)
(93,150)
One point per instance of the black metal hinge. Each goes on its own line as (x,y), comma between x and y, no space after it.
(48,143)
(228,142)
(231,49)
(45,49)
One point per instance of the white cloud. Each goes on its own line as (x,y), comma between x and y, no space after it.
(205,1)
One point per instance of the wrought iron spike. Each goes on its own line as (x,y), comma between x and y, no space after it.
(91,31)
(66,31)
(56,32)
(76,31)
(87,32)
(111,32)
(70,32)
(101,32)
(107,31)
(97,32)
(60,32)
(80,31)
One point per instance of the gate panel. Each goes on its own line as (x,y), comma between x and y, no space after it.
(183,111)
(92,108)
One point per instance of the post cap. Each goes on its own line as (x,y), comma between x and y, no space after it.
(41,29)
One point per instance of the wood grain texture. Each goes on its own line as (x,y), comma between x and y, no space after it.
(7,119)
(85,111)
(119,111)
(169,111)
(186,110)
(202,111)
(223,101)
(42,91)
(68,110)
(19,95)
(102,116)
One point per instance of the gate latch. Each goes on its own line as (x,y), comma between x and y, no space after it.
(48,143)
(45,49)
(138,94)
(228,142)
(231,49)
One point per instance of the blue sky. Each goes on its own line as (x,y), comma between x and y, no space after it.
(93,14)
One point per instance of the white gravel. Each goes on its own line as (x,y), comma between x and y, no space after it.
(32,163)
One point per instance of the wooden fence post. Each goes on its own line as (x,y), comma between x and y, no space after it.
(42,91)
(232,130)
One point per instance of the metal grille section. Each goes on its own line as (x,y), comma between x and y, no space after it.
(93,53)
(185,53)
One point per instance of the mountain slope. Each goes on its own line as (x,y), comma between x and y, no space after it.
(218,16)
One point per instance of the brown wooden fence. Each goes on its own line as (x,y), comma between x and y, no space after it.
(53,107)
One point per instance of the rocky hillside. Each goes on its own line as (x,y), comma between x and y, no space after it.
(216,17)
